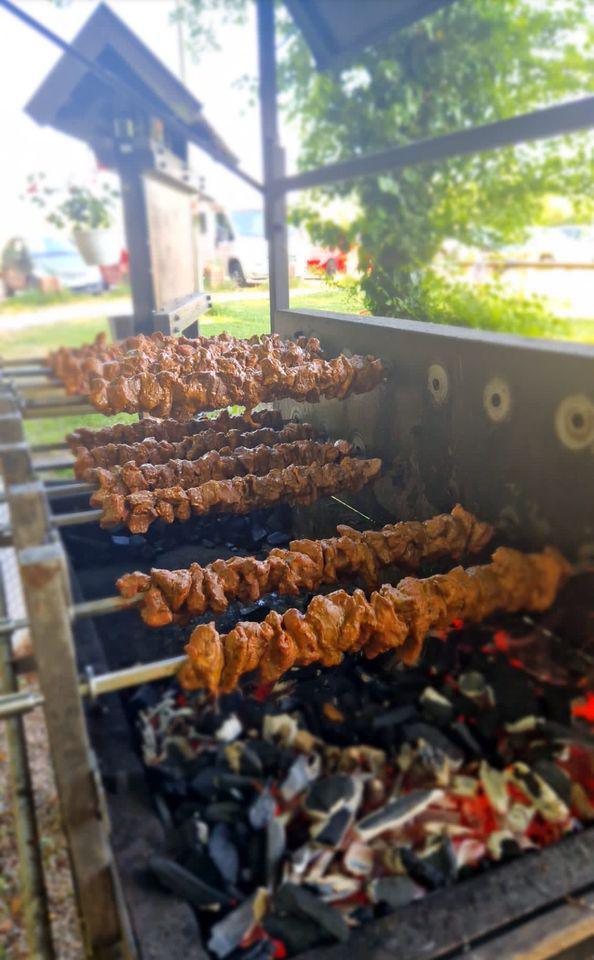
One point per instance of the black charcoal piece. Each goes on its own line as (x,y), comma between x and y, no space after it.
(276,846)
(329,794)
(435,738)
(228,933)
(278,539)
(333,829)
(224,811)
(394,891)
(223,852)
(436,707)
(464,734)
(299,902)
(423,871)
(296,933)
(393,718)
(185,884)
(514,694)
(472,684)
(556,778)
(395,813)
(302,772)
(262,810)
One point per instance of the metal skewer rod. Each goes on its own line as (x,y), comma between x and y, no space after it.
(78,611)
(73,519)
(43,465)
(8,362)
(46,447)
(15,704)
(61,490)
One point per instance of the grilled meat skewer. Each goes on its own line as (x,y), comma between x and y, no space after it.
(294,484)
(305,565)
(393,618)
(152,451)
(172,430)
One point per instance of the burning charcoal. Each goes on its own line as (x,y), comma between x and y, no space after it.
(261,950)
(546,801)
(394,891)
(229,730)
(296,933)
(502,845)
(431,735)
(436,708)
(469,852)
(358,859)
(495,787)
(396,813)
(262,810)
(332,830)
(329,794)
(556,778)
(226,935)
(375,793)
(364,758)
(518,818)
(303,771)
(163,811)
(465,786)
(298,902)
(224,853)
(276,845)
(333,887)
(187,885)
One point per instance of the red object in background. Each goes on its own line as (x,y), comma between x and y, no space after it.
(330,262)
(115,274)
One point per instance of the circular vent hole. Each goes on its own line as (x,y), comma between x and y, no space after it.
(435,384)
(496,400)
(578,421)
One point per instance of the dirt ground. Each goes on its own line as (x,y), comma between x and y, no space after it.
(64,920)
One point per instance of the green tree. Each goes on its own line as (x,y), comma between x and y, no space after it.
(474,62)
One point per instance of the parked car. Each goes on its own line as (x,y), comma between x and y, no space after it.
(49,263)
(329,262)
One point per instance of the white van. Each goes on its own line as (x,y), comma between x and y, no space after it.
(233,246)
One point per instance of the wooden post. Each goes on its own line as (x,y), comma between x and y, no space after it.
(275,214)
(44,573)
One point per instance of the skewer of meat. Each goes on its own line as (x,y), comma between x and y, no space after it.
(294,485)
(214,465)
(172,430)
(151,451)
(79,366)
(166,595)
(227,382)
(393,618)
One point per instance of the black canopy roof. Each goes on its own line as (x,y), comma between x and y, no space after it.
(337,29)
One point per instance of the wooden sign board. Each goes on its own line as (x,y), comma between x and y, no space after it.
(171,239)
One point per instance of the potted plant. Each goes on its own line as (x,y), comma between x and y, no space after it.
(87,211)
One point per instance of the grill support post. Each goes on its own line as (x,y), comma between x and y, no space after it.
(44,575)
(15,461)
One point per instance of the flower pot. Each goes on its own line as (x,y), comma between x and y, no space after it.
(98,248)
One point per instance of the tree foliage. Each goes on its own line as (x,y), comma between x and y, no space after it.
(472,63)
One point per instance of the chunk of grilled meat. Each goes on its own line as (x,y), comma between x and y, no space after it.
(393,618)
(305,565)
(151,451)
(214,465)
(294,484)
(224,384)
(172,431)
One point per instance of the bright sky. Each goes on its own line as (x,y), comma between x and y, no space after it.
(26,58)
